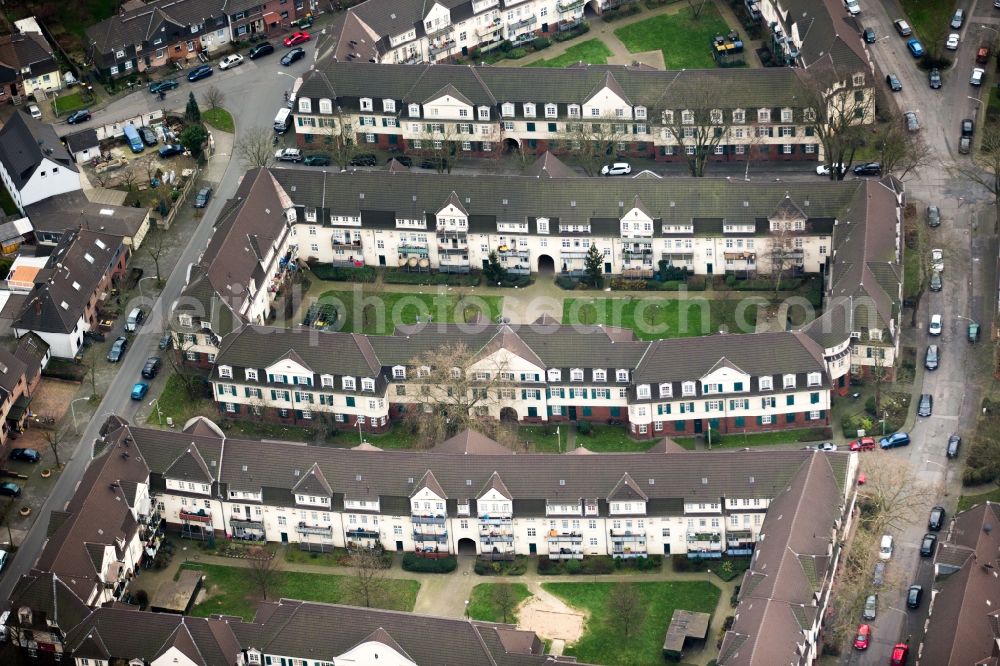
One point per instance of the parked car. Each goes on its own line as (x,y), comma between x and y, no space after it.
(166,341)
(260,50)
(902,27)
(863,444)
(825,169)
(436,163)
(405,160)
(973,333)
(10,489)
(295,38)
(977,76)
(879,576)
(952,42)
(868,169)
(931,357)
(933,216)
(616,169)
(293,56)
(200,72)
(926,405)
(912,124)
(893,82)
(869,35)
(316,160)
(954,443)
(853,8)
(957,19)
(134,320)
(863,637)
(151,367)
(204,194)
(965,145)
(25,455)
(827,446)
(139,390)
(927,545)
(163,86)
(915,47)
(871,607)
(937,259)
(148,136)
(171,149)
(934,78)
(78,116)
(288,155)
(885,547)
(117,349)
(894,440)
(34,111)
(364,159)
(983,54)
(231,60)
(934,327)
(936,283)
(968,127)
(900,653)
(914,595)
(935,521)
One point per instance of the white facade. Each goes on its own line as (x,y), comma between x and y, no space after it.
(49,179)
(61,345)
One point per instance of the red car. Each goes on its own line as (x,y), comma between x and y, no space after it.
(297,38)
(863,444)
(900,653)
(863,638)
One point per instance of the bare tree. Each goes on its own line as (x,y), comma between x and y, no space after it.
(54,438)
(367,586)
(899,152)
(877,374)
(450,389)
(698,130)
(625,609)
(854,584)
(985,167)
(264,568)
(90,363)
(192,380)
(836,112)
(255,147)
(127,176)
(153,245)
(505,600)
(440,141)
(213,97)
(7,517)
(595,141)
(697,7)
(780,253)
(341,144)
(890,497)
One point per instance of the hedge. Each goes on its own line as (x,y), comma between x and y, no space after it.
(58,368)
(597,565)
(567,283)
(516,567)
(413,562)
(341,274)
(396,276)
(573,33)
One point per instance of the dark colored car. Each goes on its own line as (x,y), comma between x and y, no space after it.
(931,357)
(954,442)
(933,216)
(79,116)
(926,406)
(292,56)
(968,127)
(163,86)
(260,50)
(434,163)
(869,169)
(166,341)
(879,576)
(25,455)
(936,520)
(200,72)
(927,545)
(958,19)
(364,159)
(893,82)
(405,160)
(934,77)
(117,349)
(914,595)
(871,607)
(10,489)
(316,160)
(151,367)
(894,440)
(204,194)
(171,149)
(869,35)
(936,284)
(148,136)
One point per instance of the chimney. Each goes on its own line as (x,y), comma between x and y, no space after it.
(38,307)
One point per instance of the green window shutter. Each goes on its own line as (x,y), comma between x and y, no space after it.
(790,418)
(236,407)
(350,401)
(793,131)
(668,409)
(549,410)
(738,386)
(586,411)
(739,422)
(246,390)
(524,394)
(659,409)
(593,393)
(274,394)
(813,398)
(523,377)
(789,399)
(822,413)
(679,426)
(732,405)
(760,420)
(222,389)
(548,393)
(809,131)
(532,411)
(616,412)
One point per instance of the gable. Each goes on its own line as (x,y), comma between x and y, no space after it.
(446,106)
(725,375)
(493,495)
(451,211)
(288,367)
(508,361)
(636,215)
(173,657)
(374,652)
(438,15)
(426,495)
(606,101)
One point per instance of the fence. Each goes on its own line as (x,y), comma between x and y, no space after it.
(168,219)
(117,129)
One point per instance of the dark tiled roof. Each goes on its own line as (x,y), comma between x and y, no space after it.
(31,350)
(140,24)
(27,51)
(12,369)
(549,166)
(82,140)
(72,210)
(470,442)
(25,142)
(50,599)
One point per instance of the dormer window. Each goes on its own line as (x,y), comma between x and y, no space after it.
(739,116)
(551,111)
(809,115)
(225,371)
(687,389)
(368,385)
(600,375)
(763,115)
(858,79)
(389,106)
(325,105)
(643,392)
(529,110)
(667,117)
(786,115)
(687,117)
(414,110)
(484,113)
(184,320)
(666,390)
(573,110)
(814,379)
(507,110)
(621,375)
(555,375)
(305,105)
(326,381)
(716,116)
(766,383)
(788,381)
(423,371)
(399,372)
(347,383)
(640,113)
(576,375)
(456,373)
(251,374)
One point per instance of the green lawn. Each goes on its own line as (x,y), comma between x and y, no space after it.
(684,41)
(232,592)
(71,102)
(968,501)
(392,309)
(592,51)
(602,642)
(739,441)
(929,17)
(482,606)
(398,437)
(220,119)
(602,439)
(653,318)
(175,402)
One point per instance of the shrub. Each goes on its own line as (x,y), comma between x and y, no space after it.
(623,284)
(573,566)
(540,43)
(416,563)
(58,368)
(517,54)
(566,35)
(696,283)
(669,285)
(519,281)
(569,283)
(395,276)
(341,274)
(584,428)
(730,280)
(680,563)
(516,567)
(610,15)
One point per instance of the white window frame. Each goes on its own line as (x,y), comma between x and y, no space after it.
(348,383)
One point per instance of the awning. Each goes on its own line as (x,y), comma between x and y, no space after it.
(271,18)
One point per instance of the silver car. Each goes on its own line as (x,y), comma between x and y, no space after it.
(912,124)
(871,607)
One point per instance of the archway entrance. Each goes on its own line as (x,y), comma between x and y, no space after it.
(508,415)
(546,264)
(466,546)
(510,145)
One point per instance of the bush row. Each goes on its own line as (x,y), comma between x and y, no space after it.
(396,276)
(573,33)
(610,15)
(597,565)
(516,567)
(416,563)
(339,274)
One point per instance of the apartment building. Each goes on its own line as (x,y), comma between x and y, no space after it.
(27,62)
(732,114)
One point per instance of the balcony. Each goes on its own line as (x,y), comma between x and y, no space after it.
(361,533)
(511,252)
(199,516)
(413,250)
(523,23)
(249,530)
(346,244)
(495,520)
(565,537)
(490,31)
(327,531)
(441,32)
(627,537)
(566,554)
(420,537)
(441,48)
(491,539)
(574,253)
(739,542)
(677,258)
(428,520)
(628,551)
(569,5)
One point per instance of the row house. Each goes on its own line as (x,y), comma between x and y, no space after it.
(150,35)
(567,507)
(412,31)
(632,110)
(27,63)
(727,383)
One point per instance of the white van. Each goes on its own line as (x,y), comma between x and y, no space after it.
(885,549)
(283,121)
(135,318)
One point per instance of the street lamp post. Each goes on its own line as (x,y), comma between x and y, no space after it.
(148,277)
(72,410)
(159,414)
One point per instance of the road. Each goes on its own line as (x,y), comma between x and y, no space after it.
(969,287)
(263,80)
